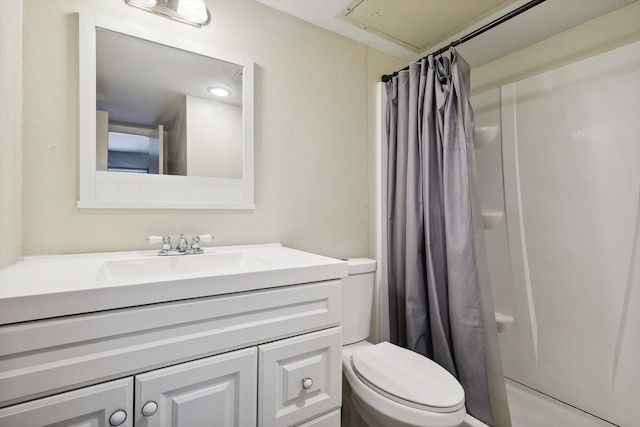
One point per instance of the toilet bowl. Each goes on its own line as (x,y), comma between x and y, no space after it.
(390,386)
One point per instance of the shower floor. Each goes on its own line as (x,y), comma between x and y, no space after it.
(530,408)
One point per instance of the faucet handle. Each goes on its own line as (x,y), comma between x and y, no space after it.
(154,240)
(195,240)
(165,240)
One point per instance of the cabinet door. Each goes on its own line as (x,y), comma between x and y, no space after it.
(100,405)
(300,378)
(218,391)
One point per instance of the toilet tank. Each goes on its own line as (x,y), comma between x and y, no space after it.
(357,299)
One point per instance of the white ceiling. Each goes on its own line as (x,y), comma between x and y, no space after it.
(543,21)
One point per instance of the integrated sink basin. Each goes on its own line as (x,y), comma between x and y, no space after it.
(42,287)
(206,263)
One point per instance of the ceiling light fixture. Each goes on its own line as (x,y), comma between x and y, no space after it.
(192,12)
(219,90)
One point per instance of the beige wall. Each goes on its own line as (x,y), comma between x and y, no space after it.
(11,135)
(314,136)
(311,134)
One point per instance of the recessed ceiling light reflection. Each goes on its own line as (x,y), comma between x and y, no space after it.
(218,91)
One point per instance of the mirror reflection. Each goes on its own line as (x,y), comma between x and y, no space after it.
(162,110)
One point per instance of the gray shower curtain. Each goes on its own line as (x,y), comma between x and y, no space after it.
(439,293)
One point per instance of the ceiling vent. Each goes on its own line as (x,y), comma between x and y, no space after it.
(418,25)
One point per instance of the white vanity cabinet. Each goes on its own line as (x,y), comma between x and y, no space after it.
(268,357)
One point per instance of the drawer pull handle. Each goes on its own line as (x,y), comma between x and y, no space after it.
(149,408)
(307,383)
(118,417)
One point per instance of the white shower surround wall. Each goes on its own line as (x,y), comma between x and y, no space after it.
(566,261)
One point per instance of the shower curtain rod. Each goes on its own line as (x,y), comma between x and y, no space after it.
(473,34)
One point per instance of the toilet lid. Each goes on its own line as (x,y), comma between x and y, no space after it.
(408,377)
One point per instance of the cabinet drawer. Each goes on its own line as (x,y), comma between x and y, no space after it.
(299,378)
(90,406)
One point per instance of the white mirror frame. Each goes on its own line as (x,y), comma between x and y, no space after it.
(101,189)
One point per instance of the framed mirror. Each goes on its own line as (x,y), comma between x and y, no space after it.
(165,123)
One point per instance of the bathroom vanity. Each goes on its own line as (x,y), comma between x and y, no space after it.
(243,336)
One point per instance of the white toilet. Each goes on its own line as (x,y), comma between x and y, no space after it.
(390,386)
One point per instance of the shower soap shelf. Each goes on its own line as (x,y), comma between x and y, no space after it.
(503,321)
(485,135)
(491,218)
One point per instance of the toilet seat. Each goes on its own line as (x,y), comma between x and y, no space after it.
(408,378)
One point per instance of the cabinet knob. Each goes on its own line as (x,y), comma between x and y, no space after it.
(118,417)
(149,408)
(307,383)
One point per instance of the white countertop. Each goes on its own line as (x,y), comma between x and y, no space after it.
(42,287)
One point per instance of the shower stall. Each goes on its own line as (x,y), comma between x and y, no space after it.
(558,160)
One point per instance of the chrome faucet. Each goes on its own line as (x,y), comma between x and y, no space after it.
(166,243)
(183,245)
(182,248)
(195,242)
